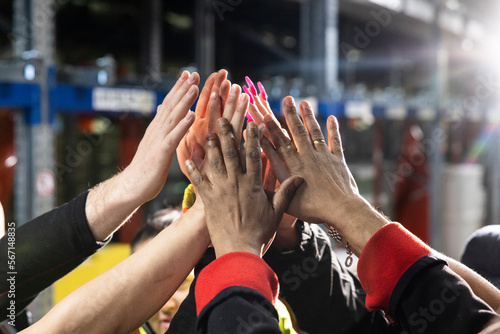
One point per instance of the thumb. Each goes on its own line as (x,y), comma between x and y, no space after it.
(285,193)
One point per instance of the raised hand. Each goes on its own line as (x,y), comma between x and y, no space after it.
(216,83)
(239,214)
(111,202)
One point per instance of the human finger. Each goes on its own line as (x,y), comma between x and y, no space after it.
(277,165)
(224,92)
(312,126)
(297,128)
(214,156)
(183,77)
(228,147)
(197,153)
(269,184)
(232,101)
(172,100)
(215,112)
(196,177)
(173,138)
(201,106)
(263,93)
(238,118)
(334,139)
(219,79)
(286,149)
(284,195)
(253,157)
(180,109)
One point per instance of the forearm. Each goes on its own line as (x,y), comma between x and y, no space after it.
(47,248)
(126,296)
(479,285)
(111,203)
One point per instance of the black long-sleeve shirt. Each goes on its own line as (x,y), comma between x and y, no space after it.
(45,249)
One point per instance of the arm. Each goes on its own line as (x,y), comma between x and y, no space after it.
(126,296)
(325,172)
(241,221)
(53,244)
(111,203)
(479,285)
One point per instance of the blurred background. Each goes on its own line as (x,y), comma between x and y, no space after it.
(414,84)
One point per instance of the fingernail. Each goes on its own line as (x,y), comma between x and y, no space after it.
(189,116)
(289,101)
(262,129)
(222,121)
(251,85)
(192,77)
(249,95)
(243,99)
(298,181)
(307,105)
(189,165)
(262,90)
(249,117)
(184,75)
(213,96)
(233,90)
(191,90)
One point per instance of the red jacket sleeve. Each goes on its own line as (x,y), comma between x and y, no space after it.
(384,259)
(235,269)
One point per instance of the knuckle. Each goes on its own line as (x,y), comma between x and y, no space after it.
(230,152)
(316,133)
(299,129)
(291,110)
(337,141)
(254,156)
(197,180)
(215,162)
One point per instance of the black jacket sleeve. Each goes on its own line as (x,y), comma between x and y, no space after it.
(324,296)
(46,249)
(431,298)
(238,310)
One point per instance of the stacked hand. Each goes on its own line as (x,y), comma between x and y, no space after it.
(194,140)
(239,214)
(152,160)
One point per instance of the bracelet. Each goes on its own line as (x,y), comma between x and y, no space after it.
(332,232)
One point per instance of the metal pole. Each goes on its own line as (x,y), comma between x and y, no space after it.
(436,158)
(319,45)
(34,179)
(152,34)
(205,37)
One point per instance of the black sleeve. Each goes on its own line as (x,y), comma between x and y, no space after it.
(324,296)
(46,249)
(238,310)
(184,321)
(431,298)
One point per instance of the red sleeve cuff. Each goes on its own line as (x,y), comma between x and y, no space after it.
(235,269)
(384,259)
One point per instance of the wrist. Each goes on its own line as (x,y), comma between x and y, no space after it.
(232,246)
(358,223)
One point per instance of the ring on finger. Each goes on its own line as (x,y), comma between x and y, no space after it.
(285,148)
(317,141)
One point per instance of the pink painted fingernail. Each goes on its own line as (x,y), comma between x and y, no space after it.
(262,90)
(249,117)
(249,95)
(251,86)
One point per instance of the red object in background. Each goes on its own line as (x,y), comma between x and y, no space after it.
(8,158)
(131,132)
(411,196)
